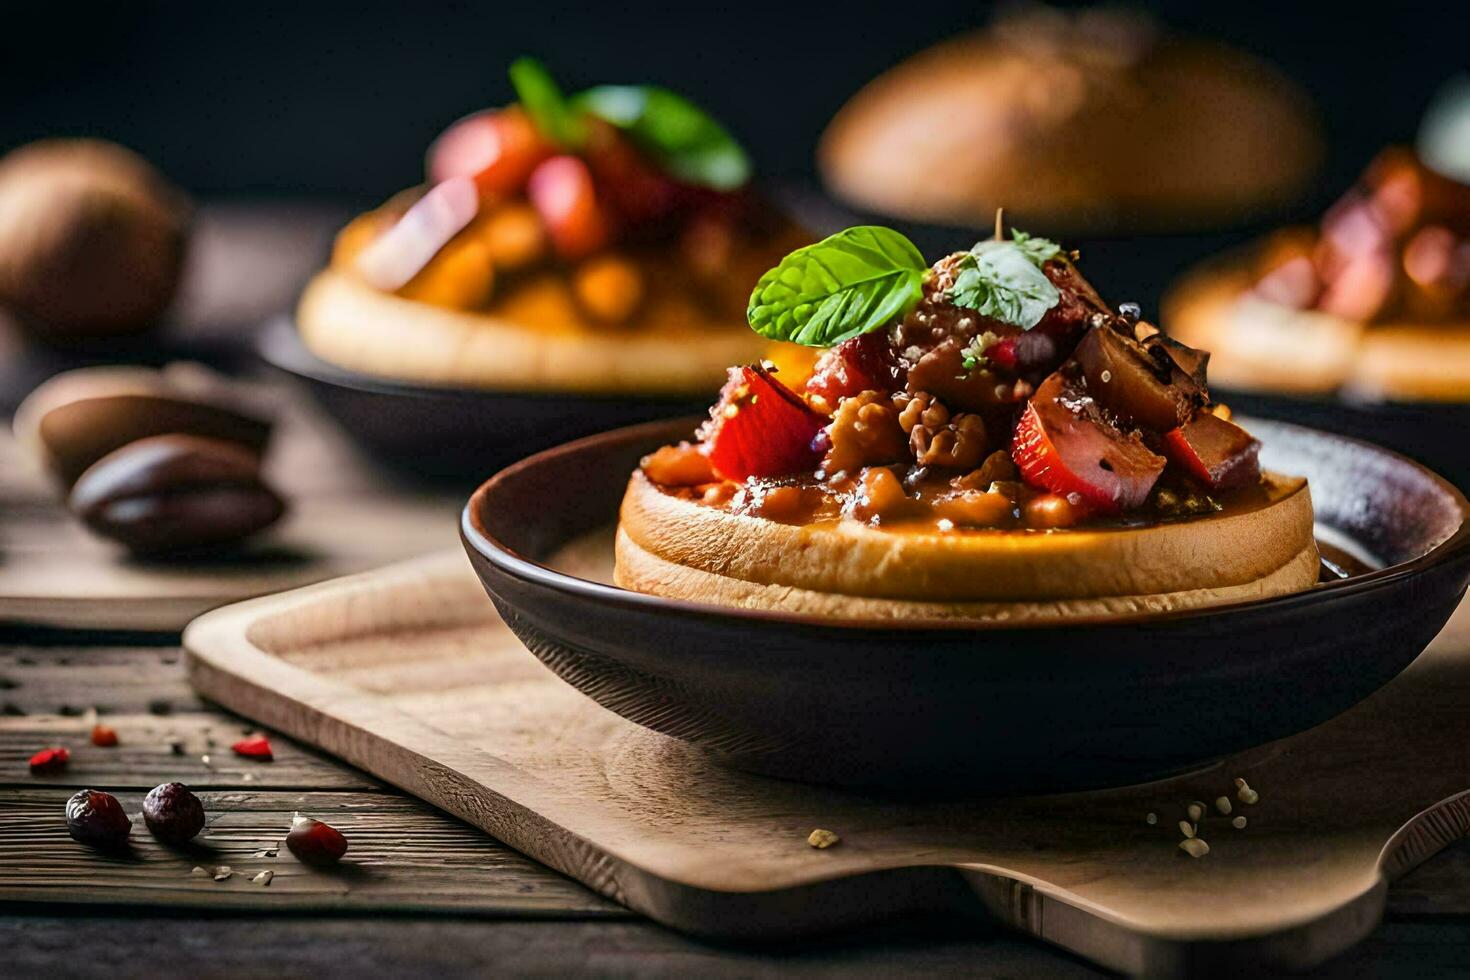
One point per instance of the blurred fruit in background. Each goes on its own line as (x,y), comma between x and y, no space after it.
(92,240)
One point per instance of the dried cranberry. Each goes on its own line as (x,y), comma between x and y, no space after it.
(48,761)
(313,842)
(97,819)
(173,814)
(258,747)
(103,736)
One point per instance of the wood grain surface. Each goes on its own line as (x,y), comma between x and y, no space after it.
(408,673)
(342,518)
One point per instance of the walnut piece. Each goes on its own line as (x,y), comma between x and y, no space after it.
(937,438)
(864,432)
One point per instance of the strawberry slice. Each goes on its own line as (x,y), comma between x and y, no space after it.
(1216,452)
(49,760)
(1076,452)
(498,148)
(760,427)
(864,363)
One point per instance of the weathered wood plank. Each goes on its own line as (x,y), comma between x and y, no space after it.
(146,756)
(114,679)
(403,856)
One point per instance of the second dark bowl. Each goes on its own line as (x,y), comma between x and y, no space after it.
(978,708)
(450,435)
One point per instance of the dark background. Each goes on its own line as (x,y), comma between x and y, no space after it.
(341,100)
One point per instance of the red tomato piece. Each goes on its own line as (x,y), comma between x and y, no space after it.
(562,191)
(760,427)
(1216,452)
(258,747)
(498,148)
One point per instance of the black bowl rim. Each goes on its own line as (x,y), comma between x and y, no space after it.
(1454,549)
(279,344)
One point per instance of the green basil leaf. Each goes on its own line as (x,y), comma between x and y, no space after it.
(1002,280)
(848,284)
(680,137)
(543,101)
(1038,250)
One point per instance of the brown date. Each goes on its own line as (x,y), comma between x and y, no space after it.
(173,494)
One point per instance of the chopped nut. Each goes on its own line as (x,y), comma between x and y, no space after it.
(822,839)
(223,872)
(1223,805)
(1239,822)
(1186,828)
(264,878)
(199,872)
(1194,847)
(1151,819)
(864,432)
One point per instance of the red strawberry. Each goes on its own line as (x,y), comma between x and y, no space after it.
(1216,452)
(48,761)
(760,427)
(861,364)
(258,747)
(1070,452)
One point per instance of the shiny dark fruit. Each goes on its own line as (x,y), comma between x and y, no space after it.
(176,493)
(1125,379)
(315,843)
(173,814)
(97,819)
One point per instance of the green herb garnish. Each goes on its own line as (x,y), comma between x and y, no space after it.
(1003,280)
(545,104)
(847,284)
(681,138)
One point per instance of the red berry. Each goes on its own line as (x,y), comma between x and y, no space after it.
(173,814)
(258,747)
(575,217)
(48,761)
(498,148)
(313,842)
(97,819)
(103,736)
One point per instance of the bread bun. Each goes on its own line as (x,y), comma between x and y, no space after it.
(673,350)
(674,547)
(1079,123)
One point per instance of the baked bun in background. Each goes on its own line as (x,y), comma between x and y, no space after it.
(1086,122)
(91,239)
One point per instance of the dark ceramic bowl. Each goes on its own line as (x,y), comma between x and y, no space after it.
(452,435)
(1434,433)
(968,707)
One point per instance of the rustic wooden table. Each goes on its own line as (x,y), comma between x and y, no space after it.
(422,892)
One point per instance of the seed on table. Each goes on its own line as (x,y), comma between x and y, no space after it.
(1151,819)
(223,872)
(264,878)
(822,839)
(313,842)
(173,814)
(97,819)
(1223,805)
(1239,822)
(199,872)
(1194,847)
(1186,828)
(1196,810)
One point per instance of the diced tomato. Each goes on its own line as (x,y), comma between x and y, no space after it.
(49,761)
(759,427)
(498,148)
(562,191)
(1068,453)
(1218,453)
(864,363)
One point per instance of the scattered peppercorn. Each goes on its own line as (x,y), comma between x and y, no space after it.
(97,819)
(50,760)
(313,842)
(173,814)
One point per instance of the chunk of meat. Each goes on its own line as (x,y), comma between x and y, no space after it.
(1218,453)
(1143,391)
(1063,444)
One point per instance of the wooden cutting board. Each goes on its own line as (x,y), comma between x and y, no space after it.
(343,519)
(408,673)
